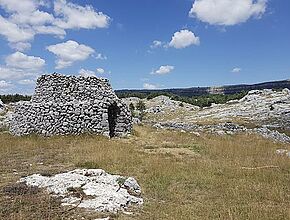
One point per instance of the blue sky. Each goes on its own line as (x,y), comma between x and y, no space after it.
(144,44)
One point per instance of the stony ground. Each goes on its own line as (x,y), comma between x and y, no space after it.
(182,175)
(258,108)
(228,161)
(264,112)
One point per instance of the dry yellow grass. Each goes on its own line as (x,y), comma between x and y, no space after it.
(208,184)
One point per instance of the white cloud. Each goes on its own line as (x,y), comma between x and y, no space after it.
(86,73)
(50,30)
(20,66)
(163,70)
(22,61)
(150,86)
(236,70)
(227,12)
(156,44)
(16,6)
(100,71)
(5,85)
(20,46)
(23,20)
(8,73)
(26,82)
(12,73)
(13,33)
(75,16)
(32,18)
(100,56)
(183,38)
(69,52)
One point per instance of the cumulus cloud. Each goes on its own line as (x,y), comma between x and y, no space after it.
(20,46)
(75,16)
(69,52)
(150,86)
(50,30)
(8,73)
(163,70)
(23,7)
(19,66)
(24,20)
(86,73)
(33,18)
(227,12)
(13,33)
(22,61)
(180,39)
(183,39)
(236,70)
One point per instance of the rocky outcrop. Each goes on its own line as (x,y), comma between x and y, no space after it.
(165,103)
(92,189)
(161,104)
(65,105)
(224,129)
(262,107)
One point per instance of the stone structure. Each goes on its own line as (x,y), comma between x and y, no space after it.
(65,105)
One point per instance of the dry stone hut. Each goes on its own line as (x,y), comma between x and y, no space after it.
(65,105)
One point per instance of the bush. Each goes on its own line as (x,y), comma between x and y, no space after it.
(141,108)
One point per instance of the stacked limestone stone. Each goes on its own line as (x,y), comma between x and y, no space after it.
(65,105)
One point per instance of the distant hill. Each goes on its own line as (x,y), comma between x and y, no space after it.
(196,91)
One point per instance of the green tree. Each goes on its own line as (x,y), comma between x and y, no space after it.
(132,109)
(140,106)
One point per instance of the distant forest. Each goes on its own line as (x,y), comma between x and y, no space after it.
(201,100)
(14,98)
(198,100)
(199,96)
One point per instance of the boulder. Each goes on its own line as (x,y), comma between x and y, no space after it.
(92,189)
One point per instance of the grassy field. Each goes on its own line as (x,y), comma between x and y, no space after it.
(182,176)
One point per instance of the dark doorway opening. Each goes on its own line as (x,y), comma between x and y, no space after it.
(113,112)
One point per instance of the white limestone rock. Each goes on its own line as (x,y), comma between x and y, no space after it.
(105,192)
(264,107)
(281,151)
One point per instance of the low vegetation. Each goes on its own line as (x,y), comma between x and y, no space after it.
(182,176)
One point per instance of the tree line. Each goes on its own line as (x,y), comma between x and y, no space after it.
(14,98)
(201,100)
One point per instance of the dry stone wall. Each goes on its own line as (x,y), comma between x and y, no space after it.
(64,105)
